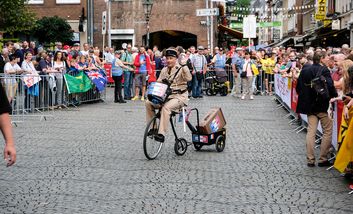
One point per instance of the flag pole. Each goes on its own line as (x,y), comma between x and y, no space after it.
(68,88)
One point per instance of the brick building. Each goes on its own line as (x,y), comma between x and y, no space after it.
(172,22)
(71,10)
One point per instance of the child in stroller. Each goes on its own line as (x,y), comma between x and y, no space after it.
(216,83)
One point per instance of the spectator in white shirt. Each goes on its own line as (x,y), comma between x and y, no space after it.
(10,70)
(85,50)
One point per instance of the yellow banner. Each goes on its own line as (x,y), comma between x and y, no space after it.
(345,152)
(321,10)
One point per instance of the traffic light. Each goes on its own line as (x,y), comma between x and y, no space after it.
(104,22)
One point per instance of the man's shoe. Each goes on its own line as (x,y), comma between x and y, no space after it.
(243,97)
(135,98)
(251,97)
(116,101)
(122,101)
(159,138)
(311,164)
(324,164)
(127,98)
(201,96)
(142,99)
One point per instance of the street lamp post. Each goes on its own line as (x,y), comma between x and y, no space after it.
(147,7)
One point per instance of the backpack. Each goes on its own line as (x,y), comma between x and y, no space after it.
(319,84)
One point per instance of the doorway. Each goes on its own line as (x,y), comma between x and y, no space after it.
(168,38)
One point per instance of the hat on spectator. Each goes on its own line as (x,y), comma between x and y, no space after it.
(345,46)
(76,44)
(118,52)
(66,47)
(239,49)
(200,47)
(58,43)
(171,52)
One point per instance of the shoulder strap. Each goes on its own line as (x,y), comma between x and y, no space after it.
(176,73)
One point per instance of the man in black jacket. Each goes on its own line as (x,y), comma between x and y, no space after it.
(313,105)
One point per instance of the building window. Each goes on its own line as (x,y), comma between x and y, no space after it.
(35,2)
(68,1)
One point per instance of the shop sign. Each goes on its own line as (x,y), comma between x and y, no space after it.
(336,24)
(321,10)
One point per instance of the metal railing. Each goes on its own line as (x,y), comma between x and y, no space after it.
(39,95)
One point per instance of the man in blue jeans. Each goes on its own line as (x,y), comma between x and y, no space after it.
(199,64)
(127,60)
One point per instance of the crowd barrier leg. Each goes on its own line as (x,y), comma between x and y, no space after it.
(293,121)
(299,129)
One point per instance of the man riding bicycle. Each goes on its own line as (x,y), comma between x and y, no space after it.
(177,76)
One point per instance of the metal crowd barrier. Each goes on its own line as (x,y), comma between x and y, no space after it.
(35,101)
(45,94)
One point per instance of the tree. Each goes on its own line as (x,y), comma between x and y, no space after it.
(245,4)
(15,16)
(53,29)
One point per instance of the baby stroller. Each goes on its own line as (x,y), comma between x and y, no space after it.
(216,84)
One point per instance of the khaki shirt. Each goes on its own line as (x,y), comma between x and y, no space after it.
(180,81)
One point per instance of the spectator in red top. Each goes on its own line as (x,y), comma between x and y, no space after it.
(143,67)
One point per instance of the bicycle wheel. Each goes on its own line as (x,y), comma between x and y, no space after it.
(151,147)
(180,146)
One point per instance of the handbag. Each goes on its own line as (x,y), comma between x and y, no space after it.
(254,69)
(243,74)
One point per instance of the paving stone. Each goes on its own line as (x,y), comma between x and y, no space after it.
(90,160)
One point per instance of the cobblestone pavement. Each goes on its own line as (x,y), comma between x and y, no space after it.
(90,160)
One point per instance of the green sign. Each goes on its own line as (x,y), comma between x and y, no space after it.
(239,25)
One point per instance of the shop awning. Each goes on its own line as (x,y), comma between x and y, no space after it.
(234,33)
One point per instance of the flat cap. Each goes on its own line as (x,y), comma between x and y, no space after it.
(200,47)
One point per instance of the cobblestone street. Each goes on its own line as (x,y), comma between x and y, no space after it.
(90,160)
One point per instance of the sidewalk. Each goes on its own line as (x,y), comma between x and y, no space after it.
(91,160)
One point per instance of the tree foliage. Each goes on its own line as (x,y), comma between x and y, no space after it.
(53,29)
(243,4)
(15,16)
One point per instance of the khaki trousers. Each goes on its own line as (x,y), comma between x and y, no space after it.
(246,84)
(167,108)
(326,123)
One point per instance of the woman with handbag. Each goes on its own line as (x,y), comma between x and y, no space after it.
(247,76)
